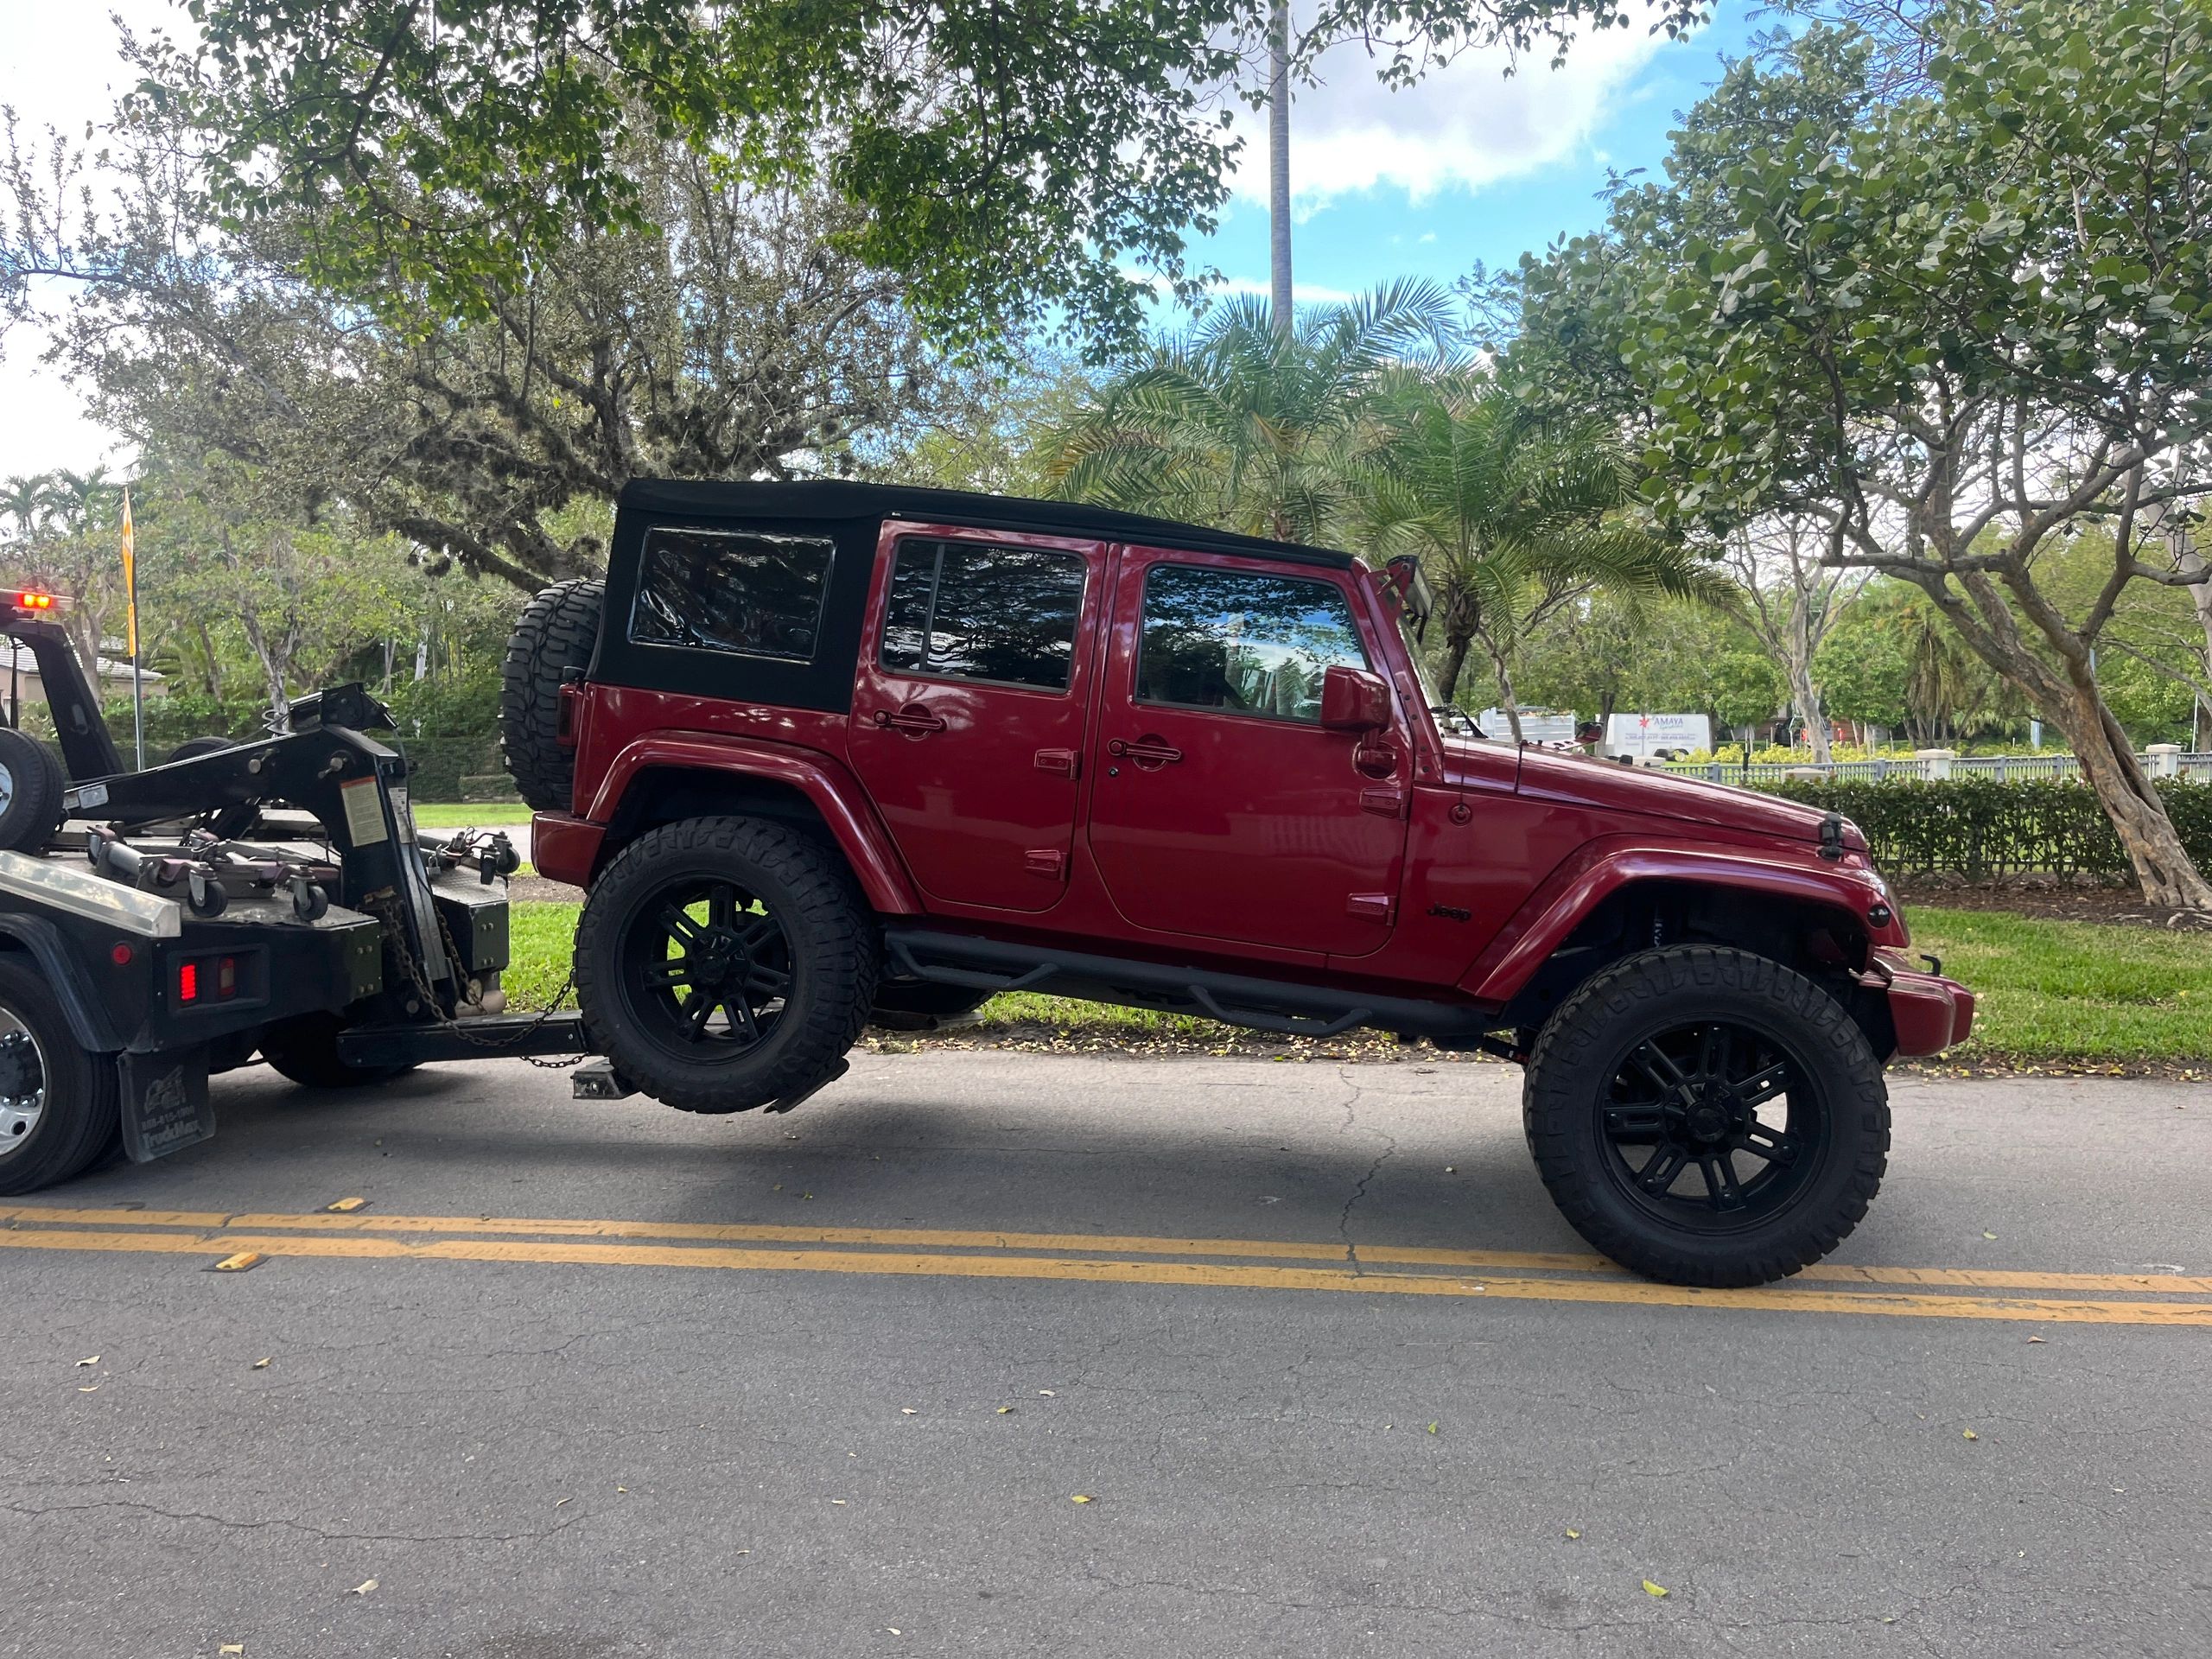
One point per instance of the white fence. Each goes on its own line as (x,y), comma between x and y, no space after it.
(2163,760)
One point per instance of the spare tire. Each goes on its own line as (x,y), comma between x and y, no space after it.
(552,642)
(31,783)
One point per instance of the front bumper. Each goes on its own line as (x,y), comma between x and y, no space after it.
(1929,1012)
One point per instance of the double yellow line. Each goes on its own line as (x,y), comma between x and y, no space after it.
(1251,1264)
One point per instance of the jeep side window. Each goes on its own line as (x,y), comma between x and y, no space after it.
(1228,639)
(748,592)
(970,611)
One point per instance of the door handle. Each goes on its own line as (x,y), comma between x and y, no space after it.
(1061,763)
(1145,751)
(915,719)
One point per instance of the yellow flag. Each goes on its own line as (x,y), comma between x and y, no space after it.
(130,574)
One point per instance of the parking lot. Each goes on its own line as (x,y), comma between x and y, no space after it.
(580,1380)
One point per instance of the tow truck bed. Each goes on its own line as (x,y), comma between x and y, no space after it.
(268,896)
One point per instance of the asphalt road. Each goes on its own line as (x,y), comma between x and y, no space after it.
(586,1381)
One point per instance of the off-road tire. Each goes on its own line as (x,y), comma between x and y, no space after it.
(305,1050)
(1591,1036)
(35,781)
(553,640)
(922,1004)
(833,950)
(82,1105)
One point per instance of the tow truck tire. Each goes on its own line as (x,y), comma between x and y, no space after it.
(553,640)
(31,783)
(67,1115)
(305,1050)
(1706,1116)
(725,964)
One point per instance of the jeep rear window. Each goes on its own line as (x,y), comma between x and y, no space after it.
(971,611)
(743,591)
(1251,644)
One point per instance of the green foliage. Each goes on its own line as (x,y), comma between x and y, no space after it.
(1982,828)
(1242,425)
(1012,160)
(1955,321)
(1513,518)
(448,728)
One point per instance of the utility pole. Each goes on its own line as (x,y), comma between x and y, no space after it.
(1278,164)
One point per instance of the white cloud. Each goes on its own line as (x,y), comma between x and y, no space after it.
(1465,126)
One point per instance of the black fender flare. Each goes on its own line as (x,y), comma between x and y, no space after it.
(87,1015)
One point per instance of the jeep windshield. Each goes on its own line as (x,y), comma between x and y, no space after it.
(1405,587)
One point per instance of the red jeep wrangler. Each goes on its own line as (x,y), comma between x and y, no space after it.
(824,753)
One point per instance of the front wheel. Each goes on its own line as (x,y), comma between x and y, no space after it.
(725,964)
(1706,1116)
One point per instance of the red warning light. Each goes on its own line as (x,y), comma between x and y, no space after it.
(28,601)
(188,982)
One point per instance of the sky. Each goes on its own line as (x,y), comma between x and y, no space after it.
(1470,165)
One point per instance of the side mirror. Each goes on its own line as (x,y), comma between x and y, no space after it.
(1353,700)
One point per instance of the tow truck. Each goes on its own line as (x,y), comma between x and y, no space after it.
(267,898)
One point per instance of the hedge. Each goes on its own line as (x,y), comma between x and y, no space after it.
(1984,829)
(448,728)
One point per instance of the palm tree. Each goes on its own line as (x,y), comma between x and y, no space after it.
(1512,519)
(1241,427)
(27,501)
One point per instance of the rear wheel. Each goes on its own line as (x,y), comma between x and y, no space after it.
(31,783)
(1707,1116)
(59,1105)
(305,1049)
(725,964)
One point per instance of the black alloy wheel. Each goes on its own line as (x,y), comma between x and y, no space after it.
(709,964)
(1714,1127)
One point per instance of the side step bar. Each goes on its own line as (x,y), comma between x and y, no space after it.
(1287,1008)
(487,1037)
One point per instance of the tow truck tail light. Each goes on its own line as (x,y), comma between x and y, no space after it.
(207,978)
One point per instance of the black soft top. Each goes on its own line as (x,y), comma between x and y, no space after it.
(851,517)
(831,498)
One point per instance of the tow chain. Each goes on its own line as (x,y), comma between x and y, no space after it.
(384,907)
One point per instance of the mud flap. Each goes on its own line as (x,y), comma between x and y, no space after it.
(165,1104)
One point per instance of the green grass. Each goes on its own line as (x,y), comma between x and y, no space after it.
(2047,992)
(2083,991)
(468,815)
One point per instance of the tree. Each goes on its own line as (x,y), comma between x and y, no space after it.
(734,336)
(1790,600)
(1948,326)
(1012,162)
(1516,520)
(1237,425)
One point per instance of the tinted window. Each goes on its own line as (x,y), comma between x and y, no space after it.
(972,612)
(748,592)
(1224,639)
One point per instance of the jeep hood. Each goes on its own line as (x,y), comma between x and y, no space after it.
(1607,787)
